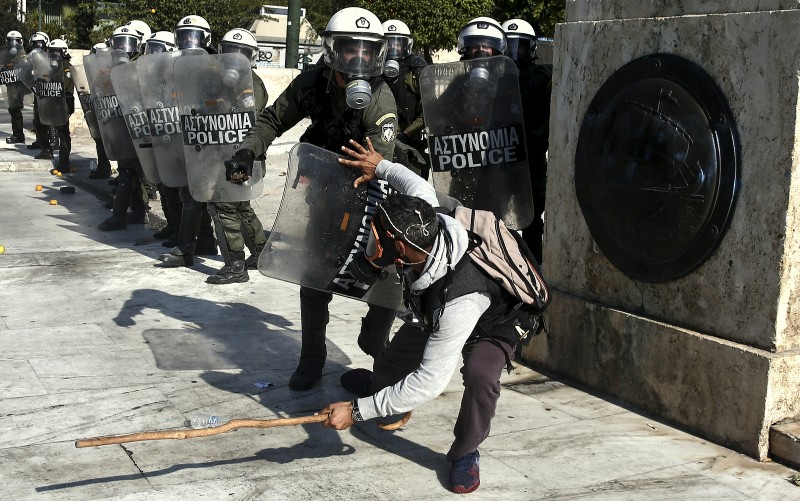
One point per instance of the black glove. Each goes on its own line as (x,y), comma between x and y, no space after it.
(403,137)
(240,167)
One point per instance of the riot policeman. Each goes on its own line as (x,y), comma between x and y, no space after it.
(158,42)
(195,235)
(58,49)
(40,40)
(12,53)
(103,169)
(401,73)
(345,99)
(535,85)
(130,190)
(236,223)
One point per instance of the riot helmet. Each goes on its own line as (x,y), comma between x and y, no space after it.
(99,47)
(521,40)
(14,38)
(58,46)
(39,40)
(398,39)
(353,44)
(126,39)
(193,32)
(160,41)
(141,28)
(481,37)
(241,41)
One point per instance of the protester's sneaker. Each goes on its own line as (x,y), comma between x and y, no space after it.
(357,381)
(465,474)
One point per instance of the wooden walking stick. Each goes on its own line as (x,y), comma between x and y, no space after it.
(216,430)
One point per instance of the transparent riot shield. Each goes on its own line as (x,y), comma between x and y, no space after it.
(322,223)
(9,58)
(48,85)
(85,98)
(215,95)
(159,95)
(126,84)
(113,130)
(474,123)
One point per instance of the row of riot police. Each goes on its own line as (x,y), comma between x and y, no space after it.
(169,108)
(47,73)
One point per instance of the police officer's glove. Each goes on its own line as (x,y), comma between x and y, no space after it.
(240,167)
(403,137)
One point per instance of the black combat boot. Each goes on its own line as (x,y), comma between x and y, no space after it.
(313,321)
(115,222)
(183,253)
(45,154)
(252,260)
(234,273)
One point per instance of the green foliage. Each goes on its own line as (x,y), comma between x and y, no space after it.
(163,15)
(542,14)
(8,18)
(84,19)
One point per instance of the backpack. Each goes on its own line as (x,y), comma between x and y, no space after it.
(506,259)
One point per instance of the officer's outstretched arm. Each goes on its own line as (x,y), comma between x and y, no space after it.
(365,160)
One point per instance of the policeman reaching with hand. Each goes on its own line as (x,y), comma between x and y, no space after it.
(345,99)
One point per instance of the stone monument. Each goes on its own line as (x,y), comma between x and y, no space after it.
(672,240)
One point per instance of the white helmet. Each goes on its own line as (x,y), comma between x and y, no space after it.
(60,45)
(141,28)
(353,42)
(193,32)
(521,38)
(481,32)
(398,39)
(39,39)
(14,36)
(127,39)
(99,47)
(242,41)
(160,41)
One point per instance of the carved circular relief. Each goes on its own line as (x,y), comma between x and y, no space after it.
(657,167)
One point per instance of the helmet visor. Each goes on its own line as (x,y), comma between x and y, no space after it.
(38,44)
(521,49)
(231,48)
(126,43)
(190,38)
(14,42)
(397,47)
(490,46)
(154,47)
(356,56)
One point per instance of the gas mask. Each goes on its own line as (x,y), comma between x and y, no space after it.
(358,92)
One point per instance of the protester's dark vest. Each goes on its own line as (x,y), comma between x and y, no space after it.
(497,321)
(329,129)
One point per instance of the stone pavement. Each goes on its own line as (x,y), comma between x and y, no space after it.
(98,340)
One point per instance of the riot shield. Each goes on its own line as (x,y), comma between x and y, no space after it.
(48,85)
(215,95)
(126,84)
(113,130)
(474,123)
(159,95)
(322,223)
(85,98)
(9,58)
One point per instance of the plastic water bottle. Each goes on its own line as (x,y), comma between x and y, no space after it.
(199,421)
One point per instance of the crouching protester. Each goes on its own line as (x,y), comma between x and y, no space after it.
(459,310)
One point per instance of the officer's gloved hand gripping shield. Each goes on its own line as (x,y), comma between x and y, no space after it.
(116,139)
(473,118)
(217,106)
(85,98)
(323,225)
(159,89)
(126,82)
